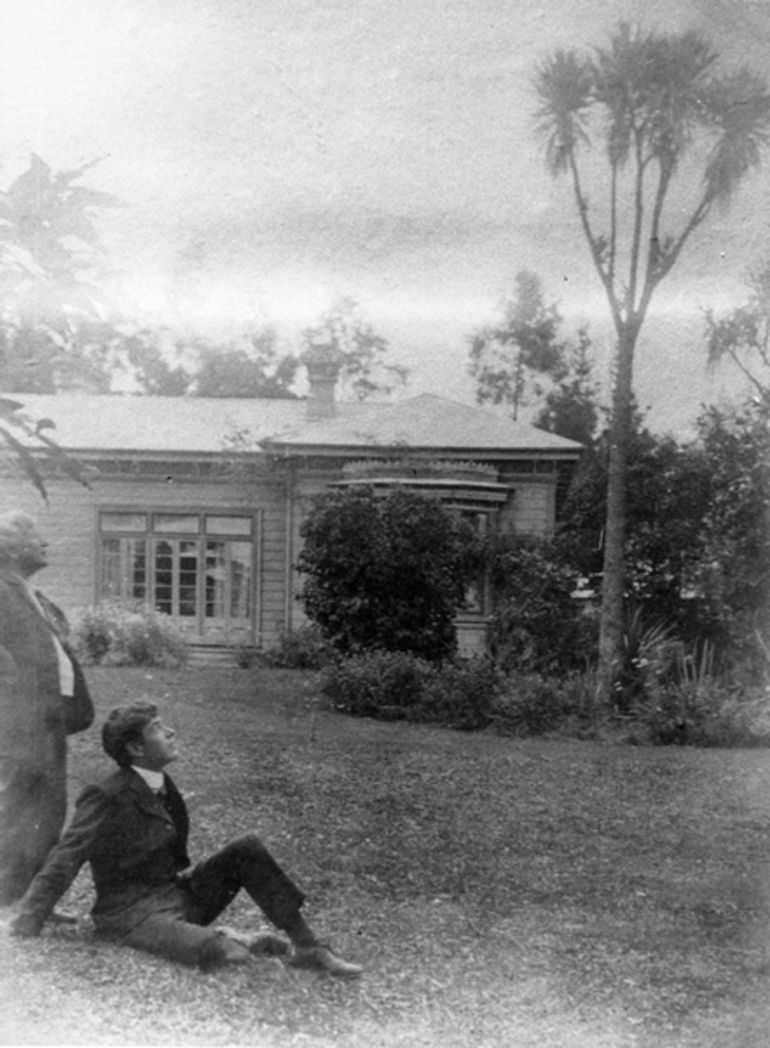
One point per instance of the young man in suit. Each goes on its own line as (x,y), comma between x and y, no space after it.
(132,828)
(43,699)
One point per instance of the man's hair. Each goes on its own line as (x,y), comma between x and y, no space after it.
(125,725)
(14,529)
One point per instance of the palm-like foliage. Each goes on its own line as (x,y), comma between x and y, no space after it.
(659,106)
(653,100)
(565,87)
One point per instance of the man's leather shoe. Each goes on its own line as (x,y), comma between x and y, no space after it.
(268,946)
(227,952)
(258,945)
(321,959)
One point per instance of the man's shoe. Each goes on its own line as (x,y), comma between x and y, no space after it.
(220,952)
(268,946)
(321,959)
(258,945)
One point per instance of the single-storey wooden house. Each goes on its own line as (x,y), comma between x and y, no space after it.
(195,504)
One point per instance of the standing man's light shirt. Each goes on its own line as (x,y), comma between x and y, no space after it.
(66,670)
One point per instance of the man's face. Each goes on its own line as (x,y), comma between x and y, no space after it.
(157,748)
(33,552)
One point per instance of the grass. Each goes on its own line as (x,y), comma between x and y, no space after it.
(499,892)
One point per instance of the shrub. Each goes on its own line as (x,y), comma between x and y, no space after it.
(706,712)
(733,570)
(465,695)
(530,704)
(385,573)
(378,684)
(247,656)
(93,633)
(537,625)
(460,694)
(125,635)
(301,649)
(650,655)
(585,713)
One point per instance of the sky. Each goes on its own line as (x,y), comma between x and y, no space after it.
(274,155)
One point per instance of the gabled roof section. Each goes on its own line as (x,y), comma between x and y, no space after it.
(206,425)
(426,421)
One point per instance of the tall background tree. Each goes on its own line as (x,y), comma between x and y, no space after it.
(743,335)
(735,569)
(361,352)
(524,359)
(161,364)
(667,119)
(253,364)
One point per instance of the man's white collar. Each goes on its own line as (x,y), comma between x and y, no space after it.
(154,779)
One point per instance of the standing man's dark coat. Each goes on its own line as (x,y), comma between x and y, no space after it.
(35,719)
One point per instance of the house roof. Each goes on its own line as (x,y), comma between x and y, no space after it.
(426,421)
(131,423)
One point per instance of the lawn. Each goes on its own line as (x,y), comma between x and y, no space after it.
(531,892)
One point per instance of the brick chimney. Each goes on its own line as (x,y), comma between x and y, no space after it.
(322,362)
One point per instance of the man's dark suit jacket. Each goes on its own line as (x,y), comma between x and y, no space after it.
(136,846)
(34,724)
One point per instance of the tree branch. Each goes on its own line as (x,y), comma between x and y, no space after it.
(636,240)
(593,244)
(668,258)
(613,247)
(755,381)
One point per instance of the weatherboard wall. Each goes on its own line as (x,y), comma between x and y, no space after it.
(69,522)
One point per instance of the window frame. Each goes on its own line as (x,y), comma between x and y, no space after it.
(201,536)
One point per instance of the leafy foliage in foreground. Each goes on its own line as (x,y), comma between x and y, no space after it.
(28,441)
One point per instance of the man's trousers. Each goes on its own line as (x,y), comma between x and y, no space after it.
(33,807)
(179,927)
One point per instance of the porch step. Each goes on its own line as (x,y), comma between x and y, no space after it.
(206,655)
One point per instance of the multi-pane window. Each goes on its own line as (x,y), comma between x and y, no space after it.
(124,568)
(196,567)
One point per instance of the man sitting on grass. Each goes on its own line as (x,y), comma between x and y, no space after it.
(132,828)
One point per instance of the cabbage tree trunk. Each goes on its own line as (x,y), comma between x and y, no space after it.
(612,620)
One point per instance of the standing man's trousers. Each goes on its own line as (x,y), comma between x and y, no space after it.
(33,807)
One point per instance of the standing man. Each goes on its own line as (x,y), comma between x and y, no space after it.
(43,698)
(132,829)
